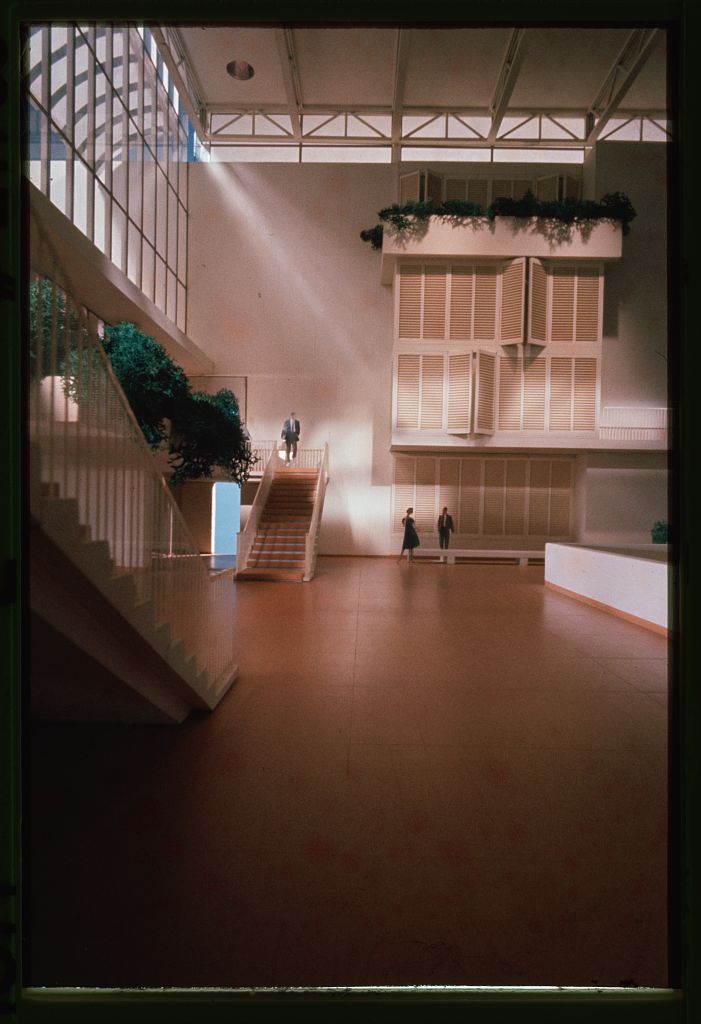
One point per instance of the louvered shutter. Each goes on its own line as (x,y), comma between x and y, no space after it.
(470,495)
(403,490)
(560,499)
(584,411)
(410,302)
(521,186)
(425,512)
(560,410)
(478,191)
(449,488)
(485,303)
(562,303)
(459,392)
(409,187)
(434,302)
(462,287)
(408,376)
(510,386)
(501,189)
(538,498)
(493,506)
(485,393)
(515,497)
(571,187)
(588,300)
(434,187)
(537,303)
(513,283)
(431,393)
(455,188)
(546,189)
(534,393)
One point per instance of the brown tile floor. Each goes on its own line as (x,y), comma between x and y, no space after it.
(427,774)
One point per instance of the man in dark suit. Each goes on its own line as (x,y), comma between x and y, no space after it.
(290,433)
(445,528)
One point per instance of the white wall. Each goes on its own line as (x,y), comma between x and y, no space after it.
(619,496)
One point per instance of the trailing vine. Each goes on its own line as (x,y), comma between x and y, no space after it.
(613,206)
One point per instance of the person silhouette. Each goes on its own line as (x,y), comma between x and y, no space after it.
(291,430)
(411,538)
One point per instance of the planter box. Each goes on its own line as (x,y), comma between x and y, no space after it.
(502,238)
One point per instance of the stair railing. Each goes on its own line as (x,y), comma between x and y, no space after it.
(246,537)
(311,541)
(86,445)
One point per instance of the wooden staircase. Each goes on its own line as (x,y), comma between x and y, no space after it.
(279,548)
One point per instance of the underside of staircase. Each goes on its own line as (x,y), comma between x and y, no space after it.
(278,551)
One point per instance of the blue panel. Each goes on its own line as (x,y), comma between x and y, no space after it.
(226,513)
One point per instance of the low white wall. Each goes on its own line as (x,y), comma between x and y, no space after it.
(635,583)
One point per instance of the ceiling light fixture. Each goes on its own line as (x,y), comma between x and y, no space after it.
(240,69)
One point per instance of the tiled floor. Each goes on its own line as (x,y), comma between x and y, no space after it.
(430,774)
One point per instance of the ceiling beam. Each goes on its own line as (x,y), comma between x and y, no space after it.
(290,76)
(401,59)
(175,57)
(618,81)
(506,81)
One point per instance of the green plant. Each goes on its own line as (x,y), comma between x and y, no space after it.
(660,532)
(51,332)
(207,431)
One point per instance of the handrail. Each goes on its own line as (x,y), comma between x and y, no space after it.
(312,537)
(246,537)
(86,445)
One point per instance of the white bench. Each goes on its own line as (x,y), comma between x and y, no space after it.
(449,555)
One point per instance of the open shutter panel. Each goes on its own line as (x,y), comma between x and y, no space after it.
(494,480)
(510,372)
(538,498)
(410,302)
(546,189)
(478,191)
(588,314)
(434,302)
(560,393)
(584,412)
(515,497)
(538,304)
(513,283)
(485,303)
(408,368)
(462,288)
(434,187)
(485,393)
(562,303)
(560,499)
(455,188)
(459,392)
(470,496)
(534,393)
(404,469)
(409,187)
(449,487)
(571,187)
(425,512)
(431,393)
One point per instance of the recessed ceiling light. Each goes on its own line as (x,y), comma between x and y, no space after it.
(240,69)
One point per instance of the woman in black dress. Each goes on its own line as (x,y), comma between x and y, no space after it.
(411,538)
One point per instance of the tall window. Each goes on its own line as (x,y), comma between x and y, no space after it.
(109,142)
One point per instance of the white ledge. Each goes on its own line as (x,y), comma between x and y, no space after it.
(416,441)
(502,238)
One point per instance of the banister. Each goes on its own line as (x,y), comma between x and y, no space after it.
(311,538)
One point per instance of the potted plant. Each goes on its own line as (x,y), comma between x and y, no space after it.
(660,532)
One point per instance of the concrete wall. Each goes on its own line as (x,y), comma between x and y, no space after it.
(283,291)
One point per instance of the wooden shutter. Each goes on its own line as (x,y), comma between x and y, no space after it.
(513,283)
(485,303)
(478,191)
(493,506)
(403,489)
(584,411)
(537,303)
(560,411)
(562,303)
(408,371)
(570,187)
(410,302)
(449,488)
(425,512)
(431,393)
(510,389)
(470,495)
(485,393)
(573,386)
(538,498)
(434,187)
(455,188)
(409,187)
(521,186)
(588,300)
(462,288)
(546,189)
(434,302)
(459,392)
(560,499)
(515,497)
(501,189)
(534,393)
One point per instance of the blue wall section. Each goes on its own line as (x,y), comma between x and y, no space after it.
(226,513)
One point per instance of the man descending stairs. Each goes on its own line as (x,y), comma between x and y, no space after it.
(278,551)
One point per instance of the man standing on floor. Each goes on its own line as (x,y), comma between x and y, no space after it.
(290,434)
(445,528)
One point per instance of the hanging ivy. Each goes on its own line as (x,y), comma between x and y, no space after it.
(613,206)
